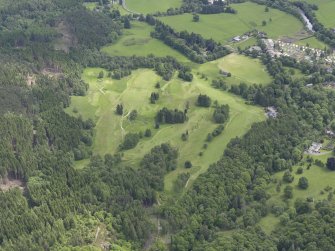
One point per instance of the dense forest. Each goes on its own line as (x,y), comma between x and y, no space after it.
(57,207)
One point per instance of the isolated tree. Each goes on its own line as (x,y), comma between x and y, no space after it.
(331,163)
(204,101)
(133,115)
(101,74)
(188,164)
(303,183)
(147,133)
(263,22)
(127,24)
(266,9)
(196,18)
(119,109)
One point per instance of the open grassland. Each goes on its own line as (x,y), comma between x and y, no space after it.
(137,41)
(222,27)
(312,42)
(91,5)
(242,69)
(152,6)
(325,13)
(134,92)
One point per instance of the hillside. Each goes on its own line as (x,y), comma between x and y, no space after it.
(170,125)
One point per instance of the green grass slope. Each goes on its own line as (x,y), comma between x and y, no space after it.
(151,6)
(222,27)
(325,13)
(243,69)
(137,41)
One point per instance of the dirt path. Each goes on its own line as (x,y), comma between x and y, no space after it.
(97,234)
(123,131)
(124,6)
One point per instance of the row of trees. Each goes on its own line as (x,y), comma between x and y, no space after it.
(192,45)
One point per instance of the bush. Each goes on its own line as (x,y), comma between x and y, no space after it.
(188,164)
(288,192)
(300,170)
(147,133)
(133,115)
(288,177)
(130,141)
(303,183)
(204,101)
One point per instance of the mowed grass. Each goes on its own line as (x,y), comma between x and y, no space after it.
(137,41)
(325,12)
(242,69)
(134,92)
(152,6)
(222,27)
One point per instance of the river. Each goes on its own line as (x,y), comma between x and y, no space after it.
(308,24)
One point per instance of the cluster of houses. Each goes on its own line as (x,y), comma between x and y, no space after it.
(247,35)
(279,48)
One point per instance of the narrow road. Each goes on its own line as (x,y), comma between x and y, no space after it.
(124,6)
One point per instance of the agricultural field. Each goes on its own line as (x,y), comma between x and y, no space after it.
(222,27)
(242,69)
(325,13)
(152,6)
(134,92)
(137,41)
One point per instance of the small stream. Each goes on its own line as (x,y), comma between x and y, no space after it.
(307,22)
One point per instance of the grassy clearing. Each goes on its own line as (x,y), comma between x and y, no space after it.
(137,41)
(134,91)
(318,178)
(151,6)
(242,68)
(312,42)
(222,27)
(90,5)
(325,13)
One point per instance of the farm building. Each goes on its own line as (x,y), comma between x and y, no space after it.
(271,112)
(314,148)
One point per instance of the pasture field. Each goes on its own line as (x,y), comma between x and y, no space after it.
(242,68)
(137,41)
(325,12)
(313,42)
(152,6)
(222,27)
(134,92)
